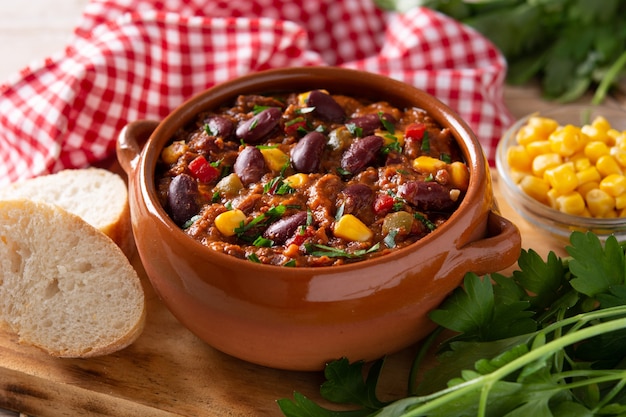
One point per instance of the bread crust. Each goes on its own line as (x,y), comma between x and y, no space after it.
(66,287)
(97,195)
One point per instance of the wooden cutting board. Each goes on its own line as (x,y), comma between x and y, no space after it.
(170,372)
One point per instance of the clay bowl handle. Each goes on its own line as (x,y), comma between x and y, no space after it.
(130,142)
(499,250)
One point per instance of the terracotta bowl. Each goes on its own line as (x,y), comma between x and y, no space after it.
(301,318)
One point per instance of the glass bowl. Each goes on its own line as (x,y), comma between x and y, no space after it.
(555,222)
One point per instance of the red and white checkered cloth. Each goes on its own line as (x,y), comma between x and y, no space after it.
(139,59)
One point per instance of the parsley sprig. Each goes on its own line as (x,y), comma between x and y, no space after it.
(547,341)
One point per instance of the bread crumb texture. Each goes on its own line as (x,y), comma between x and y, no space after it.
(65,286)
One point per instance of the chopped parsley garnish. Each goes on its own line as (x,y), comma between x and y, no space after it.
(389,127)
(262,242)
(305,110)
(270,215)
(191,221)
(290,263)
(258,109)
(425,142)
(354,130)
(254,258)
(209,131)
(390,239)
(330,252)
(340,211)
(278,186)
(392,145)
(429,225)
(445,158)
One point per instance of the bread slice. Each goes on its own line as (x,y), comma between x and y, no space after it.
(65,286)
(99,196)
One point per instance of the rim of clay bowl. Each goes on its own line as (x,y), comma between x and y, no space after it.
(396,92)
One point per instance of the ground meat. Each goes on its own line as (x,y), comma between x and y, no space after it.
(324,214)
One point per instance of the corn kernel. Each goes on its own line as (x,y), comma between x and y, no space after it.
(390,138)
(583,189)
(538,147)
(527,134)
(552,199)
(275,159)
(599,202)
(601,123)
(297,180)
(595,149)
(535,187)
(545,161)
(459,175)
(350,227)
(427,164)
(516,176)
(228,221)
(536,128)
(590,174)
(620,202)
(572,203)
(517,157)
(614,184)
(619,155)
(611,214)
(562,178)
(581,162)
(596,134)
(171,153)
(607,165)
(567,140)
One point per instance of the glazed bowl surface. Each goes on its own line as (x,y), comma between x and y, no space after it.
(544,215)
(301,318)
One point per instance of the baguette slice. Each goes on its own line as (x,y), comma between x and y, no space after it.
(99,196)
(65,287)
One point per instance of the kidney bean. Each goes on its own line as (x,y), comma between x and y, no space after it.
(368,123)
(361,153)
(326,108)
(260,125)
(427,196)
(181,198)
(306,155)
(356,197)
(219,126)
(285,228)
(250,165)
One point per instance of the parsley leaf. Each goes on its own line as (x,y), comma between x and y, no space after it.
(596,269)
(542,279)
(469,310)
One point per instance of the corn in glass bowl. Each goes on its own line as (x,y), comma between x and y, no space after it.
(543,214)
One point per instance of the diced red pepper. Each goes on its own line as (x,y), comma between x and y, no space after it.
(301,236)
(201,169)
(415,131)
(383,204)
(293,126)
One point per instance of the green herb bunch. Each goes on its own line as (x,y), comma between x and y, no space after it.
(547,341)
(571,46)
